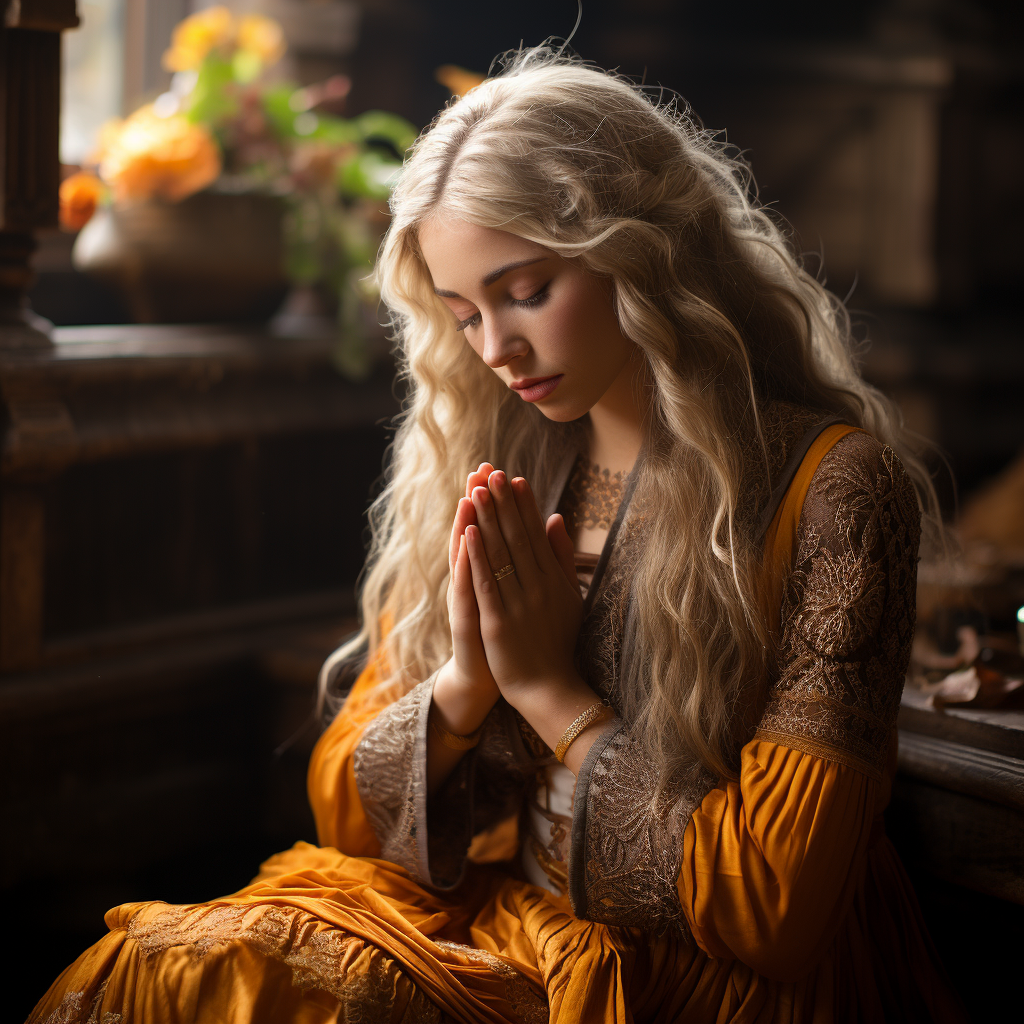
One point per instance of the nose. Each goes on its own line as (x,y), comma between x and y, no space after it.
(501,343)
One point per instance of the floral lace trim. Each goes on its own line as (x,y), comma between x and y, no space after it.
(389,765)
(632,844)
(848,612)
(369,984)
(528,1003)
(592,496)
(72,1009)
(431,838)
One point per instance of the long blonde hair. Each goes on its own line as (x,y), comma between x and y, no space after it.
(705,283)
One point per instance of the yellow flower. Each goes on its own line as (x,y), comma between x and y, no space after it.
(458,80)
(79,194)
(151,156)
(197,35)
(262,37)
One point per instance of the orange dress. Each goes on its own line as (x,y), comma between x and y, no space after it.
(774,898)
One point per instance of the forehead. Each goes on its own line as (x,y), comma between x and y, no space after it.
(458,252)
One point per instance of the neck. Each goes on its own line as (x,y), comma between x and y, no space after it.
(616,421)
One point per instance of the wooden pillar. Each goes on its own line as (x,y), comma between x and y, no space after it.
(29,152)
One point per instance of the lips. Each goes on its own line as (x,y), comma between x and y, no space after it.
(533,389)
(529,382)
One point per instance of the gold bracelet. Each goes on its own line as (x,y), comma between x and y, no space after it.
(452,740)
(595,713)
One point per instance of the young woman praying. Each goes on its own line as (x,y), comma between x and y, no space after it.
(639,606)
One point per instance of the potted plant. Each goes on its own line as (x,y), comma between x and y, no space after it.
(210,202)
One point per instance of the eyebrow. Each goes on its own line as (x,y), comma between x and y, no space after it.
(492,276)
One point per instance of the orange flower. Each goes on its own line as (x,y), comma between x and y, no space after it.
(79,194)
(458,80)
(152,156)
(197,35)
(262,37)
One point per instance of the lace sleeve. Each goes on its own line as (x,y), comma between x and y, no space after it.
(848,620)
(430,838)
(626,850)
(848,611)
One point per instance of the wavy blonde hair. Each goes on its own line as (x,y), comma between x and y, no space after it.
(706,284)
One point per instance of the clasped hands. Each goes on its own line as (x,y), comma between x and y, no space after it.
(514,636)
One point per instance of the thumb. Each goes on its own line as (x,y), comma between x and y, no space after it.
(561,545)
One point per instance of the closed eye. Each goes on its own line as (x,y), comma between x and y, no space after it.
(534,300)
(469,322)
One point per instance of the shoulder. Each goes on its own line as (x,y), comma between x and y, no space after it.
(855,566)
(859,498)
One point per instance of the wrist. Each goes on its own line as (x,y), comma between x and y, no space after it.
(552,706)
(460,704)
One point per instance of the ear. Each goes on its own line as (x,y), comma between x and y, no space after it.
(561,545)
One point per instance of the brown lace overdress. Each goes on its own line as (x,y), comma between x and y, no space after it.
(847,622)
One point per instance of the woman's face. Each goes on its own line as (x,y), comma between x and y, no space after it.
(541,323)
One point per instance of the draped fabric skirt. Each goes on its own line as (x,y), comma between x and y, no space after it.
(322,937)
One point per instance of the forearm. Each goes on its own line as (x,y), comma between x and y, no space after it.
(770,862)
(459,708)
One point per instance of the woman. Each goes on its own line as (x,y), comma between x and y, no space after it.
(622,750)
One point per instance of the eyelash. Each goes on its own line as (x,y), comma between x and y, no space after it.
(534,300)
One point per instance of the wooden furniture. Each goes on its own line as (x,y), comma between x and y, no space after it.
(960,795)
(181,527)
(957,820)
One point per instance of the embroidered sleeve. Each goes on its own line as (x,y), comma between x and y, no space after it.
(848,612)
(626,849)
(430,837)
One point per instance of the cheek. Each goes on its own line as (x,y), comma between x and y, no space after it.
(588,325)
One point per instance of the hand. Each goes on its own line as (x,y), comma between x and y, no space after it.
(467,683)
(464,690)
(465,515)
(530,619)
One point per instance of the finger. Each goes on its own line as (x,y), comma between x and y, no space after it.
(495,548)
(533,524)
(513,530)
(484,584)
(453,539)
(464,606)
(478,478)
(562,546)
(465,514)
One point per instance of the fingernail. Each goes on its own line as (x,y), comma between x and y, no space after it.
(498,477)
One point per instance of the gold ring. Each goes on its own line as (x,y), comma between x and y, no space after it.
(505,571)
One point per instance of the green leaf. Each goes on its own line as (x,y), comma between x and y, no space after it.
(369,175)
(382,125)
(335,130)
(211,100)
(277,100)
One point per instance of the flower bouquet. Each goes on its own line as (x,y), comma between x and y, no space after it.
(210,201)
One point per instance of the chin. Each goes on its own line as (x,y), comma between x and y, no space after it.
(563,413)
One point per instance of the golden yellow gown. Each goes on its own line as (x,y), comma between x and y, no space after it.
(774,898)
